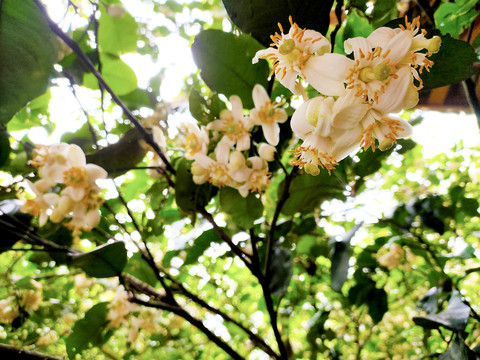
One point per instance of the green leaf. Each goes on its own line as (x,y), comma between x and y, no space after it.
(453,18)
(377,304)
(453,63)
(454,317)
(384,11)
(260,18)
(243,211)
(13,218)
(201,244)
(31,114)
(105,261)
(357,25)
(89,331)
(28,50)
(188,195)
(225,61)
(118,75)
(139,268)
(117,35)
(4,147)
(307,192)
(281,270)
(124,154)
(458,351)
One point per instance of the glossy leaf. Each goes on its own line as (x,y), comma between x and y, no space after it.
(243,211)
(88,332)
(453,18)
(12,222)
(260,17)
(105,261)
(225,62)
(4,147)
(454,317)
(25,65)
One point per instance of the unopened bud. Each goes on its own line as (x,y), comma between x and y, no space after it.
(267,152)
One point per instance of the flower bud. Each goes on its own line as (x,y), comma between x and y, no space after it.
(267,151)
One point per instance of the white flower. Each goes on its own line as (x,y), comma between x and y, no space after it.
(293,52)
(330,129)
(196,141)
(234,126)
(267,114)
(250,175)
(42,204)
(206,169)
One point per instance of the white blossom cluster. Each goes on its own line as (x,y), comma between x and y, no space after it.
(356,93)
(227,164)
(66,189)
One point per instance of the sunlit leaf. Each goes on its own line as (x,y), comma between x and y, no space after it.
(117,35)
(140,269)
(200,244)
(453,18)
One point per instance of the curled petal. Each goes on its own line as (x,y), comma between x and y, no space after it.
(327,73)
(357,45)
(399,45)
(271,133)
(381,36)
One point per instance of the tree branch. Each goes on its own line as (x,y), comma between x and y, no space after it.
(13,353)
(84,58)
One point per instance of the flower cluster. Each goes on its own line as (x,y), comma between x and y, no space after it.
(357,93)
(227,164)
(66,189)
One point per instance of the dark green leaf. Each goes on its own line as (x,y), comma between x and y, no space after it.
(28,50)
(454,317)
(445,71)
(4,147)
(242,210)
(105,261)
(121,156)
(377,304)
(201,244)
(11,222)
(384,11)
(188,195)
(88,331)
(140,269)
(225,61)
(307,192)
(458,351)
(260,17)
(32,114)
(429,302)
(281,269)
(339,256)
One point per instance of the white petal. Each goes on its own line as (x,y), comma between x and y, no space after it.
(261,54)
(243,143)
(271,133)
(327,73)
(392,100)
(300,126)
(222,151)
(399,46)
(260,96)
(95,172)
(350,116)
(289,81)
(356,45)
(381,36)
(313,47)
(237,108)
(76,156)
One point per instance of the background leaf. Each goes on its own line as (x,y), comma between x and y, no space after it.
(105,261)
(225,62)
(281,270)
(200,244)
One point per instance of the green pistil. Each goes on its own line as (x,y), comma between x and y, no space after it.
(286,47)
(366,75)
(386,144)
(382,72)
(311,169)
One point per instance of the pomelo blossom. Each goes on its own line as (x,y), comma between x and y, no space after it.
(77,197)
(292,55)
(196,141)
(248,175)
(267,152)
(234,126)
(267,114)
(204,169)
(330,131)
